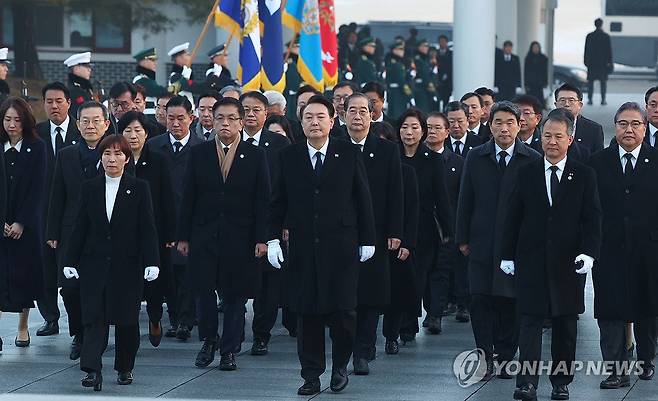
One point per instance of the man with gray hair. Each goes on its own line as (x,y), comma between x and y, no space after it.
(625,282)
(276,103)
(552,235)
(231,91)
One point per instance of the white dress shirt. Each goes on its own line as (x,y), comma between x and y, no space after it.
(111,189)
(53,133)
(635,152)
(256,136)
(652,132)
(380,119)
(529,140)
(476,130)
(510,152)
(361,143)
(547,175)
(17,146)
(462,140)
(183,141)
(312,151)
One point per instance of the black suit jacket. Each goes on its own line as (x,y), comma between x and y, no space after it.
(272,143)
(454,164)
(576,151)
(589,134)
(544,240)
(472,141)
(484,133)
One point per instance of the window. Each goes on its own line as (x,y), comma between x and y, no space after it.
(7,24)
(112,35)
(632,8)
(49,25)
(80,30)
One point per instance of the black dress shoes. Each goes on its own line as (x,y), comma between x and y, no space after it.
(155,333)
(259,348)
(125,378)
(22,343)
(407,337)
(183,332)
(647,372)
(434,325)
(0,344)
(48,329)
(527,391)
(560,392)
(76,348)
(93,379)
(392,347)
(361,366)
(227,362)
(171,332)
(462,315)
(207,354)
(338,380)
(310,387)
(614,381)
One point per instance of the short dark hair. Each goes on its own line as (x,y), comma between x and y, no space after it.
(213,95)
(417,114)
(24,113)
(508,43)
(140,89)
(92,104)
(598,22)
(115,141)
(469,95)
(255,95)
(343,84)
(319,99)
(229,101)
(307,89)
(357,95)
(484,91)
(384,129)
(120,88)
(180,101)
(456,106)
(561,115)
(375,87)
(647,95)
(438,114)
(129,118)
(282,121)
(56,86)
(506,106)
(631,106)
(442,36)
(570,88)
(529,100)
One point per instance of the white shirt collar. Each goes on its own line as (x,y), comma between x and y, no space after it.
(652,129)
(380,119)
(183,141)
(17,146)
(256,136)
(312,151)
(529,140)
(476,129)
(560,165)
(462,140)
(635,152)
(64,126)
(361,142)
(510,150)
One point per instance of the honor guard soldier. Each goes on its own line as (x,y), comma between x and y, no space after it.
(366,70)
(4,70)
(424,88)
(217,74)
(399,91)
(146,66)
(79,85)
(293,79)
(180,79)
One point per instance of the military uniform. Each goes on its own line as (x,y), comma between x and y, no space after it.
(146,78)
(365,69)
(80,87)
(293,82)
(4,87)
(398,89)
(424,86)
(217,76)
(180,79)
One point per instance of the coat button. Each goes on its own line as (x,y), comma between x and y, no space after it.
(317,240)
(628,191)
(109,258)
(316,215)
(109,237)
(317,191)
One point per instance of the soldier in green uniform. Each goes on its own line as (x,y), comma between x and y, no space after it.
(181,81)
(293,79)
(399,91)
(218,75)
(366,69)
(79,83)
(4,71)
(146,66)
(424,86)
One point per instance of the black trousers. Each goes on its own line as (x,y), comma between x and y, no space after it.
(181,308)
(126,339)
(563,348)
(613,341)
(367,320)
(392,323)
(266,304)
(232,325)
(590,87)
(426,264)
(495,325)
(310,341)
(71,297)
(47,304)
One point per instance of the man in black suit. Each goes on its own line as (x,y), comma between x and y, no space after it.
(341,91)
(461,139)
(552,236)
(223,227)
(475,106)
(57,132)
(382,162)
(488,99)
(175,146)
(488,181)
(507,74)
(651,104)
(75,164)
(586,132)
(266,303)
(597,59)
(375,92)
(322,197)
(122,100)
(625,282)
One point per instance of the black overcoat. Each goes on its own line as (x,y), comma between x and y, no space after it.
(598,55)
(588,134)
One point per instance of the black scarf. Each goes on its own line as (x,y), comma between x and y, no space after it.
(89,159)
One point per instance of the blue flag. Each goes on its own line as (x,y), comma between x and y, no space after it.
(303,17)
(272,75)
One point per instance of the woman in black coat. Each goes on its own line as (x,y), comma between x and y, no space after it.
(535,72)
(151,167)
(23,164)
(435,217)
(112,249)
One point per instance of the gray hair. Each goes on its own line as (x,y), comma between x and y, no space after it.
(561,115)
(357,95)
(506,106)
(230,88)
(275,98)
(631,106)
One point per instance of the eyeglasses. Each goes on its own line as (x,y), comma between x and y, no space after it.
(635,124)
(255,110)
(96,121)
(339,99)
(528,113)
(125,105)
(231,119)
(569,100)
(354,112)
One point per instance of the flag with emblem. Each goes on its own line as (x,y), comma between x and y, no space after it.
(303,17)
(272,74)
(329,43)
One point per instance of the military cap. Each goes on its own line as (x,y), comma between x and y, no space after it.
(176,50)
(367,41)
(3,56)
(217,50)
(146,54)
(77,59)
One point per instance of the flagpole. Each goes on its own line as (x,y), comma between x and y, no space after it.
(204,30)
(290,45)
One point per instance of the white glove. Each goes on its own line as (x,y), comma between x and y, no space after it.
(187,72)
(519,90)
(366,252)
(507,266)
(274,253)
(70,272)
(216,69)
(588,263)
(151,273)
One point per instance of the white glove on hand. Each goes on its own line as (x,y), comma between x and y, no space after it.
(507,266)
(187,72)
(70,272)
(216,69)
(588,263)
(151,273)
(274,253)
(366,252)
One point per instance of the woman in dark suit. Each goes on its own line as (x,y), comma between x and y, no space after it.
(23,161)
(112,249)
(535,72)
(151,167)
(435,217)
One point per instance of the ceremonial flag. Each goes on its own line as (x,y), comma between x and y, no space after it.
(240,18)
(329,43)
(302,16)
(272,75)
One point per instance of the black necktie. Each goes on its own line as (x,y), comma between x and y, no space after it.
(458,147)
(177,146)
(554,184)
(226,149)
(318,163)
(628,169)
(207,134)
(360,147)
(59,139)
(250,141)
(502,162)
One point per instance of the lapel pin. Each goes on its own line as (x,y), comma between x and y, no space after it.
(470,147)
(453,169)
(267,144)
(646,160)
(372,155)
(143,163)
(241,156)
(28,150)
(336,155)
(128,191)
(427,154)
(569,178)
(580,139)
(73,142)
